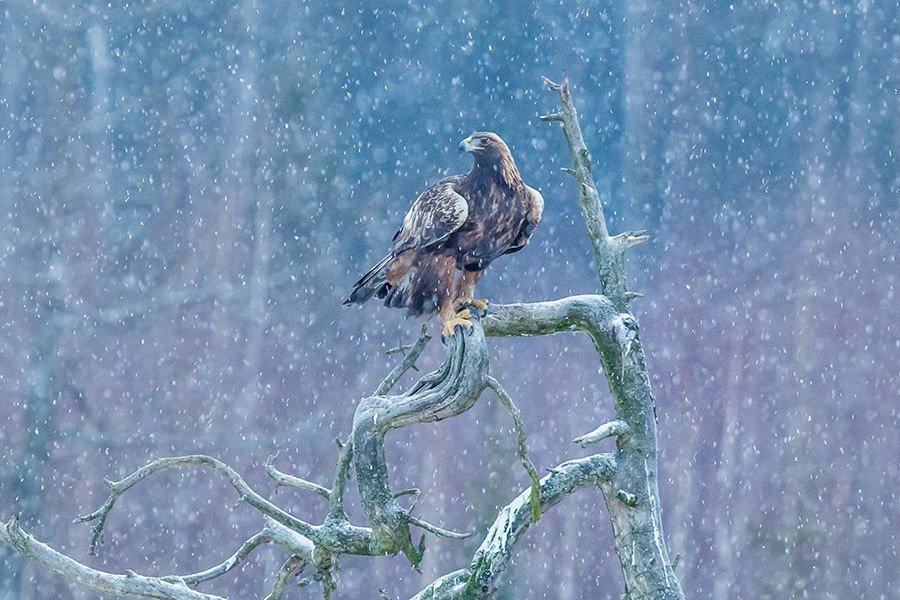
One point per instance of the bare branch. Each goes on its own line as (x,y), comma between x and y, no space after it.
(291,568)
(294,482)
(341,473)
(592,313)
(448,587)
(611,429)
(130,584)
(627,239)
(493,556)
(507,401)
(636,516)
(608,251)
(551,84)
(447,392)
(230,563)
(409,362)
(274,532)
(296,544)
(351,540)
(445,533)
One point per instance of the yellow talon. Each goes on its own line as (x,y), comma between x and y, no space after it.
(481,305)
(463,318)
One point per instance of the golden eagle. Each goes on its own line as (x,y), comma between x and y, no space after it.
(462,223)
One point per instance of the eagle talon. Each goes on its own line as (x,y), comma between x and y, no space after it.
(481,305)
(462,318)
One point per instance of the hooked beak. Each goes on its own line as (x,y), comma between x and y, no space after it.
(467,145)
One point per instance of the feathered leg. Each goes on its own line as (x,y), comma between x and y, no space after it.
(466,294)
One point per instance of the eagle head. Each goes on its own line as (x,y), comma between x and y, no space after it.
(484,143)
(492,153)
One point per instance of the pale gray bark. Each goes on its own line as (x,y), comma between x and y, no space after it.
(632,495)
(129,584)
(446,393)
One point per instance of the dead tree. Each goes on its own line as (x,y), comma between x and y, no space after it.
(627,477)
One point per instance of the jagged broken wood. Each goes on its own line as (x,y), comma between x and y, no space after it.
(607,430)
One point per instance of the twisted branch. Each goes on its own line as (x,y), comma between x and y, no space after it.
(483,577)
(445,393)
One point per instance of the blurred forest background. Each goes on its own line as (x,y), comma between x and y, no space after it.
(189,189)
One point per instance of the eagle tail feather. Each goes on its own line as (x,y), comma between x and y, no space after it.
(416,282)
(373,283)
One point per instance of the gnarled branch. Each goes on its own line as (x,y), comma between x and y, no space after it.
(490,561)
(447,392)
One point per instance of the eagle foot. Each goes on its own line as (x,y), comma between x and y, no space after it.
(462,318)
(480,305)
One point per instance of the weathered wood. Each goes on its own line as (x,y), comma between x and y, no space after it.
(130,584)
(637,521)
(607,430)
(447,392)
(484,576)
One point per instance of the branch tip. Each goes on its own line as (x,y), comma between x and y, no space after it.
(551,84)
(438,531)
(409,362)
(294,482)
(611,429)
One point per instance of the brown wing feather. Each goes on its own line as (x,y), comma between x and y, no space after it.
(535,209)
(432,218)
(413,275)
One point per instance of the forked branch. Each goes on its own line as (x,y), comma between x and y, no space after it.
(485,574)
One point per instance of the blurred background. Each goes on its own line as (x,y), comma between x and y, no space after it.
(189,190)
